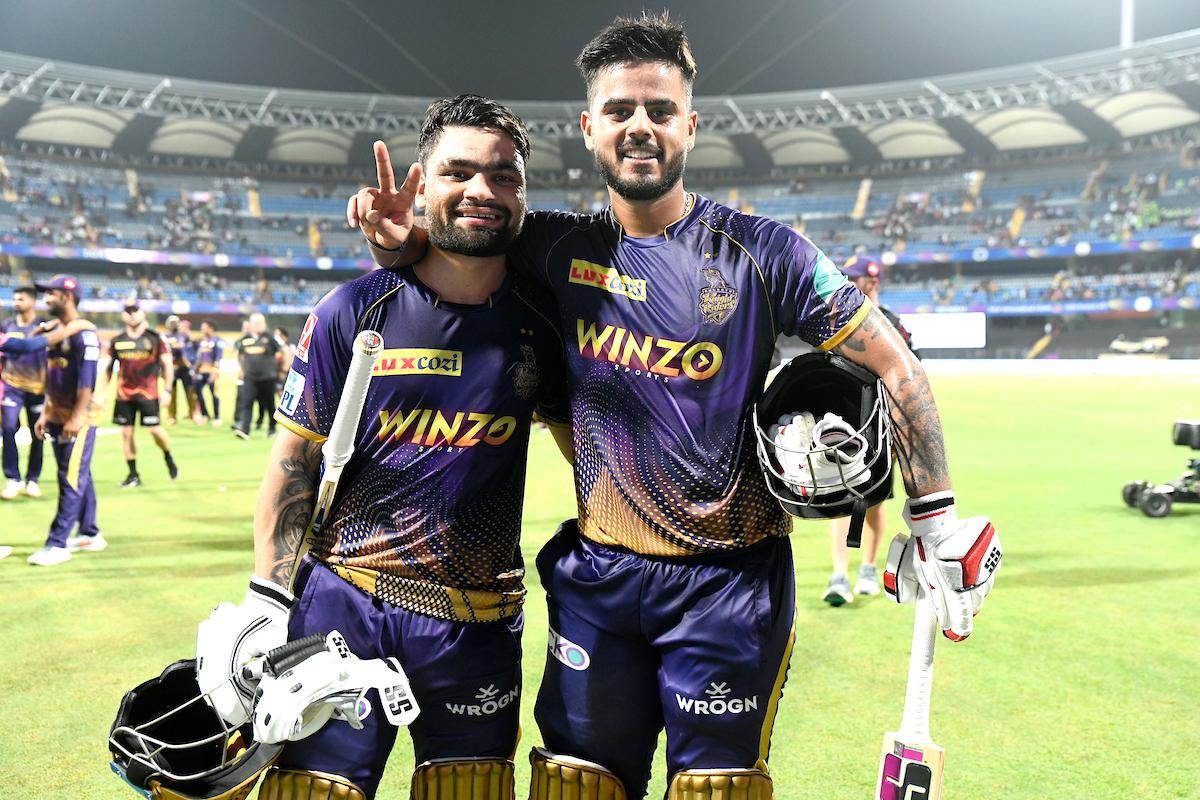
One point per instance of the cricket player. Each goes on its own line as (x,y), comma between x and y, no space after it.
(671,599)
(865,274)
(420,559)
(210,349)
(258,360)
(67,419)
(24,378)
(141,355)
(179,339)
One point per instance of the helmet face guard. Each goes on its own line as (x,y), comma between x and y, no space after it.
(168,742)
(848,466)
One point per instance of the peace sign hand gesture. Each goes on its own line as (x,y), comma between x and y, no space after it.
(385,215)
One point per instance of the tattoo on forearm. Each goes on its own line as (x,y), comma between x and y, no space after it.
(918,435)
(294,503)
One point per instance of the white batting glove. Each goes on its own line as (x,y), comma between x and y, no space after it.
(233,635)
(955,559)
(901,581)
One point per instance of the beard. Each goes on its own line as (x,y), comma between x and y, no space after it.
(643,186)
(476,242)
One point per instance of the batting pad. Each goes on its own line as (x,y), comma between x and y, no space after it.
(558,777)
(468,779)
(295,784)
(720,784)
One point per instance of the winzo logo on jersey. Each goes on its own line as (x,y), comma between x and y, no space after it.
(718,702)
(431,428)
(489,701)
(650,354)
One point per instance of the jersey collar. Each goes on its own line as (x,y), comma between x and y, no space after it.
(690,212)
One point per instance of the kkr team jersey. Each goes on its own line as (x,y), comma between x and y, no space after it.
(140,359)
(70,368)
(669,343)
(209,353)
(25,372)
(178,341)
(428,510)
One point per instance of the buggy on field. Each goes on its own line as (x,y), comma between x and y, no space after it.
(1157,500)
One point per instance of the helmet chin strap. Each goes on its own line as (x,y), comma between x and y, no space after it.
(858,515)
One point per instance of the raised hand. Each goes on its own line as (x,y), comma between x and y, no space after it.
(385,215)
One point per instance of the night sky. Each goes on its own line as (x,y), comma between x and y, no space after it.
(520,50)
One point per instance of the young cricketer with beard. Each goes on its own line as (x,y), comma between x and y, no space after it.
(24,378)
(67,419)
(671,600)
(420,557)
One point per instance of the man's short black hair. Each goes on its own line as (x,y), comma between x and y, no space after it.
(29,290)
(470,111)
(209,323)
(654,38)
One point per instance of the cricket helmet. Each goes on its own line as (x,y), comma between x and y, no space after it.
(168,742)
(824,437)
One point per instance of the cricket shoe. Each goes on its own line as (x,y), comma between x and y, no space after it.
(12,489)
(130,482)
(5,551)
(33,490)
(868,580)
(838,593)
(49,556)
(241,434)
(86,544)
(172,470)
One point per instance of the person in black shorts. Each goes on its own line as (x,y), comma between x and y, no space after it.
(258,357)
(143,355)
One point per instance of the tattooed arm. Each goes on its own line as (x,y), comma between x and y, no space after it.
(876,345)
(285,505)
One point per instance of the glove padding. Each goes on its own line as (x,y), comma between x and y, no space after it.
(332,683)
(953,561)
(232,636)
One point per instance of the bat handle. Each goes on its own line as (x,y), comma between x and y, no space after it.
(915,723)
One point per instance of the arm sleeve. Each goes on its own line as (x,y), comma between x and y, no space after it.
(809,296)
(314,384)
(18,347)
(89,361)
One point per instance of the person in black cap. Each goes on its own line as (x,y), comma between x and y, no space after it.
(67,419)
(865,274)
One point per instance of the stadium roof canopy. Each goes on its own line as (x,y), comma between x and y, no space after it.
(1099,98)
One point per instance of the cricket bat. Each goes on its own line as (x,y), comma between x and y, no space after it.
(339,446)
(910,767)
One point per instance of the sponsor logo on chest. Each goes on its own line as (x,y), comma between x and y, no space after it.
(418,361)
(607,279)
(649,354)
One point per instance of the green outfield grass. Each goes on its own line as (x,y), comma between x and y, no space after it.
(1081,681)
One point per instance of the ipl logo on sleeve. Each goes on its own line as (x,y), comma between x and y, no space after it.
(292,390)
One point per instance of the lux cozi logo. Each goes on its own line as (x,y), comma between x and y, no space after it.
(644,352)
(418,361)
(586,273)
(429,427)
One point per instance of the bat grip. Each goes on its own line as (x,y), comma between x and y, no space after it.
(915,723)
(340,445)
(286,656)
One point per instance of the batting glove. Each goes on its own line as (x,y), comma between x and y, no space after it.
(233,635)
(956,560)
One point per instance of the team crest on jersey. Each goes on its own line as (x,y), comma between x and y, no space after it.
(718,300)
(525,373)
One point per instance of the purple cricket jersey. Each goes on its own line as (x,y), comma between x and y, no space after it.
(209,352)
(26,372)
(669,343)
(70,368)
(428,511)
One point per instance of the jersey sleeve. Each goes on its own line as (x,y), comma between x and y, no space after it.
(18,347)
(314,383)
(810,297)
(89,341)
(540,231)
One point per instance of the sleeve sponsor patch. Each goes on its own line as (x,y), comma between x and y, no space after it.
(306,338)
(292,391)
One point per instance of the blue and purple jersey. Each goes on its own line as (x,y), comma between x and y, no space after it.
(427,514)
(26,372)
(71,368)
(209,352)
(669,340)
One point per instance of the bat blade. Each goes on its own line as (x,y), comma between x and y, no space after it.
(908,770)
